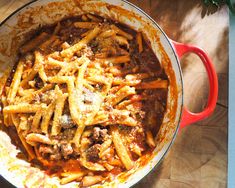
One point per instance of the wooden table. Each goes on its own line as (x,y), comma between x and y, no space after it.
(198,157)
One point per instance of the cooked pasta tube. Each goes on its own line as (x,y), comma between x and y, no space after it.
(139,42)
(48,42)
(39,60)
(107,33)
(36,119)
(28,148)
(47,116)
(31,76)
(138,76)
(129,121)
(91,166)
(118,59)
(15,82)
(120,95)
(121,81)
(108,166)
(104,147)
(85,33)
(69,177)
(60,101)
(22,108)
(70,51)
(38,138)
(85,25)
(23,92)
(31,96)
(149,139)
(6,117)
(94,18)
(61,79)
(157,84)
(91,180)
(56,63)
(23,125)
(121,149)
(31,45)
(121,32)
(121,41)
(15,120)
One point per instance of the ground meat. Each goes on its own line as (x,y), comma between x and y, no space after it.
(99,135)
(45,149)
(55,157)
(92,153)
(66,150)
(68,134)
(53,152)
(66,121)
(38,82)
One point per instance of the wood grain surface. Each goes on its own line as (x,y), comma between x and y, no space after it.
(198,157)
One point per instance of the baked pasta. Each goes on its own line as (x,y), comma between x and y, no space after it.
(86,99)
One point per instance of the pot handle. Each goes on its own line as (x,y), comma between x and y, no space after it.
(187,116)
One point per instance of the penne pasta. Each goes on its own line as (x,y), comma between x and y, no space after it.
(60,101)
(48,42)
(23,124)
(38,138)
(139,42)
(121,41)
(15,82)
(60,79)
(119,59)
(107,33)
(6,117)
(71,177)
(91,166)
(121,94)
(94,18)
(23,92)
(138,76)
(39,60)
(27,147)
(70,51)
(91,180)
(31,96)
(31,76)
(150,140)
(85,33)
(36,119)
(33,44)
(121,149)
(121,32)
(22,108)
(46,117)
(157,84)
(56,63)
(85,25)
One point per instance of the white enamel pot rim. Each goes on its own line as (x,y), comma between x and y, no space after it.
(174,51)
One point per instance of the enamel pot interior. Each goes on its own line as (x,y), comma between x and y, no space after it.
(13,32)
